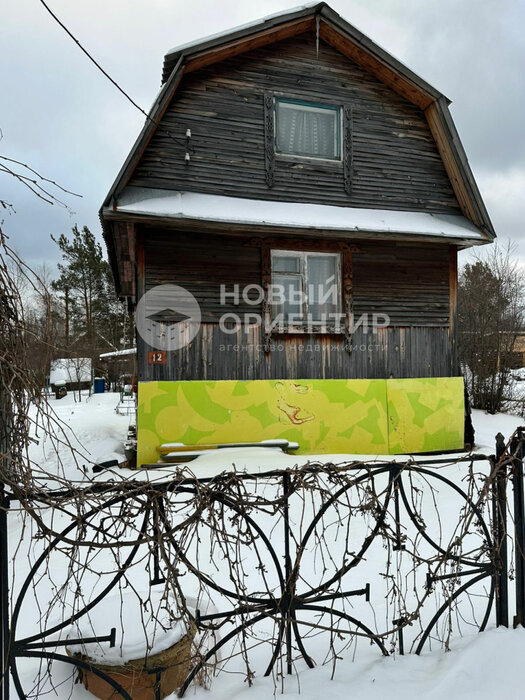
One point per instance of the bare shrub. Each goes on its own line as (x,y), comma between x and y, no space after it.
(490,316)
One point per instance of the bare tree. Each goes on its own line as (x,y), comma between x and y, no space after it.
(491,314)
(43,187)
(80,371)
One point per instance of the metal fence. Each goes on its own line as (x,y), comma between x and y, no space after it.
(276,570)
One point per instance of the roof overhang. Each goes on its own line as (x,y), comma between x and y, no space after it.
(193,211)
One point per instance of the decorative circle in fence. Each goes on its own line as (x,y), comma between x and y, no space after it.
(296,561)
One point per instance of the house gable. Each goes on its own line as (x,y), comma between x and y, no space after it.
(393,161)
(404,152)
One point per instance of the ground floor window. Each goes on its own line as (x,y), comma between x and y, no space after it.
(306,288)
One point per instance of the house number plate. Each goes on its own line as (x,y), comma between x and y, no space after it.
(157,357)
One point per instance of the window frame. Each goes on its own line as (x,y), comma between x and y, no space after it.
(304,324)
(338,108)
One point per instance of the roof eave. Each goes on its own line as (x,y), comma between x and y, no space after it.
(242,32)
(182,221)
(107,234)
(482,218)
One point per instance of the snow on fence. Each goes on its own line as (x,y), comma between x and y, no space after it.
(260,574)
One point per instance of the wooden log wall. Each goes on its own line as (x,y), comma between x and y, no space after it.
(201,263)
(394,160)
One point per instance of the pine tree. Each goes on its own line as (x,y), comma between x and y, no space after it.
(92,311)
(82,280)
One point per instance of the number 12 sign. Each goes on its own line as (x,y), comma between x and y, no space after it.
(157,357)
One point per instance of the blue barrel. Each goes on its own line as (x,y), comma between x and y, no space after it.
(99,385)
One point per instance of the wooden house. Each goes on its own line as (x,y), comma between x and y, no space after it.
(286,154)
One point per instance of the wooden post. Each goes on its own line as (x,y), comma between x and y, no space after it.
(453,290)
(140,290)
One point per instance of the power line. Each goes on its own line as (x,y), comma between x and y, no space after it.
(77,42)
(106,74)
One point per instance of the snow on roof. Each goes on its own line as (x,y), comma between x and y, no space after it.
(76,369)
(206,207)
(258,24)
(240,27)
(119,353)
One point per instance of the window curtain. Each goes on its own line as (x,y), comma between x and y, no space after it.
(305,132)
(322,288)
(291,288)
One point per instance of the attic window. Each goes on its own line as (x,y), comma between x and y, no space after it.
(307,129)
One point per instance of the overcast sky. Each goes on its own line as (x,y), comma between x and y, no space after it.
(60,115)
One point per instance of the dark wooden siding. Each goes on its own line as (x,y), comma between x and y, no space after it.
(201,264)
(393,352)
(395,162)
(410,283)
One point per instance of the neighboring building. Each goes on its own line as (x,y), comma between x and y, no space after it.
(517,354)
(71,372)
(296,153)
(119,367)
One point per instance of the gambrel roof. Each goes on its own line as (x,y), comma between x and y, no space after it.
(349,41)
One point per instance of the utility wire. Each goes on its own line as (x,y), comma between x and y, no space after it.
(106,74)
(77,42)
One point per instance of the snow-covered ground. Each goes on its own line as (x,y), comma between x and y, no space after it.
(97,434)
(488,426)
(91,426)
(480,666)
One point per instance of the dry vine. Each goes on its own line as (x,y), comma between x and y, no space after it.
(218,549)
(278,558)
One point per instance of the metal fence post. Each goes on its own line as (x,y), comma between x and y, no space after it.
(156,506)
(499,519)
(518,449)
(287,601)
(4,595)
